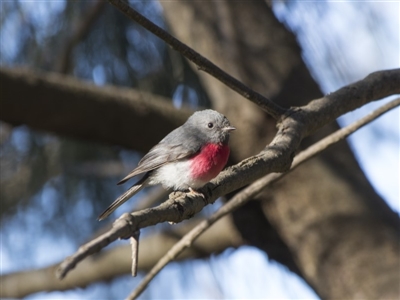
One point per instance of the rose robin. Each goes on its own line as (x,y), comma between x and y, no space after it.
(186,159)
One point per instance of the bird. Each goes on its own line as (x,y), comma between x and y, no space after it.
(186,159)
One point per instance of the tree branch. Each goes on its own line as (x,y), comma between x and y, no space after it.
(82,110)
(248,193)
(277,157)
(202,63)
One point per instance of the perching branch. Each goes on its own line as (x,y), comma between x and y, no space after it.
(202,63)
(248,193)
(276,157)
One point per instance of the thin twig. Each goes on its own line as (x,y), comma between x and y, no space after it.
(135,251)
(255,188)
(202,63)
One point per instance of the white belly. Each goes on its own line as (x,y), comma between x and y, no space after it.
(176,175)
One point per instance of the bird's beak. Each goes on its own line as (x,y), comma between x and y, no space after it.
(228,128)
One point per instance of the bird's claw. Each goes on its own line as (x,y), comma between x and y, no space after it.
(192,194)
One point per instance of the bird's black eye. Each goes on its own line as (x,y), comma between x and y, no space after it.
(210,125)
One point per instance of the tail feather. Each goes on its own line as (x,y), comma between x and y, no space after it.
(124,197)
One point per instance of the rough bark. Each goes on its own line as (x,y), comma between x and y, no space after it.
(325,210)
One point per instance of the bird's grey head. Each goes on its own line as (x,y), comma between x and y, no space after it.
(211,126)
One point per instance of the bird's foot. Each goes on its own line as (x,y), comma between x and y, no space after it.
(193,193)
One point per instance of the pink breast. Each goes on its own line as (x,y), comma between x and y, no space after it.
(209,162)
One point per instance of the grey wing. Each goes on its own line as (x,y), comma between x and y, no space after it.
(160,155)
